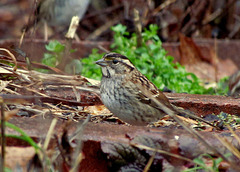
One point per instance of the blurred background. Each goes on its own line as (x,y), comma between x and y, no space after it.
(193,18)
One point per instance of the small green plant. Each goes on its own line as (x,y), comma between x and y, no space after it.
(7,169)
(40,151)
(52,58)
(229,119)
(221,87)
(22,136)
(151,59)
(90,69)
(202,164)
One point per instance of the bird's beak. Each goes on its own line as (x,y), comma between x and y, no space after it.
(101,62)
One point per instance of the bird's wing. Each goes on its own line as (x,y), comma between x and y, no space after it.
(146,90)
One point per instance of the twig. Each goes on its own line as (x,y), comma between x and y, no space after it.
(44,156)
(229,146)
(102,29)
(2,136)
(72,28)
(79,129)
(20,76)
(103,49)
(234,134)
(36,65)
(212,16)
(138,27)
(150,161)
(78,156)
(236,28)
(55,78)
(50,133)
(22,37)
(215,60)
(66,58)
(219,12)
(161,152)
(162,6)
(103,12)
(12,56)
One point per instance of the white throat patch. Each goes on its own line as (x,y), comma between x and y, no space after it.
(107,71)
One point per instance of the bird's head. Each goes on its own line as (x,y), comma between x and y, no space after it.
(114,63)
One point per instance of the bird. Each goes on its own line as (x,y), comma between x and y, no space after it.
(128,94)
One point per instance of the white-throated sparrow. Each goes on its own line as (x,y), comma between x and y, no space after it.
(127,93)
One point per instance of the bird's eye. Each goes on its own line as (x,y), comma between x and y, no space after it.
(115,61)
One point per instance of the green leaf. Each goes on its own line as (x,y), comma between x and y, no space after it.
(49,60)
(199,161)
(119,29)
(73,50)
(216,162)
(55,46)
(23,136)
(7,169)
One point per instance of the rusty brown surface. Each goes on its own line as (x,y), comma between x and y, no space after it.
(205,104)
(101,139)
(103,132)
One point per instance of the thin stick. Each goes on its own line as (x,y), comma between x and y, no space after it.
(50,133)
(94,35)
(2,136)
(234,134)
(150,161)
(78,156)
(12,56)
(162,6)
(162,152)
(229,146)
(138,27)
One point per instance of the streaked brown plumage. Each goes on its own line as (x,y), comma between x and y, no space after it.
(125,92)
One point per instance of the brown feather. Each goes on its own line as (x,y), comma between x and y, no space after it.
(146,88)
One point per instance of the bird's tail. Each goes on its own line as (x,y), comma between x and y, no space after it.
(191,115)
